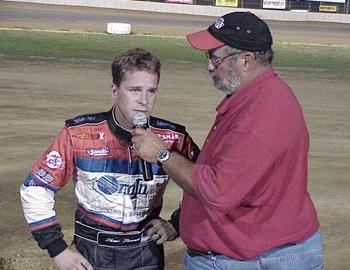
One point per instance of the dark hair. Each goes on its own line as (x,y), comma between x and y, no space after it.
(134,60)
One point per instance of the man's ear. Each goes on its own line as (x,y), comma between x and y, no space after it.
(114,90)
(248,61)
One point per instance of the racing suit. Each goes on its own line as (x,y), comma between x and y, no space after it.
(111,194)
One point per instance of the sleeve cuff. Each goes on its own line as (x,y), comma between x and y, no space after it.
(175,221)
(57,247)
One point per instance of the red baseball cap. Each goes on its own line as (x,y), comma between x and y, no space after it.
(240,30)
(204,41)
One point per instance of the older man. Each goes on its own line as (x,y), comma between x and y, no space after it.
(245,202)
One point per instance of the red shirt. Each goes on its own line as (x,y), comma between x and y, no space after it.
(251,175)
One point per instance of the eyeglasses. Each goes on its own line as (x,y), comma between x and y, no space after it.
(217,62)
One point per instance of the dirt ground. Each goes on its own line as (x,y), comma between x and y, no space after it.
(37,96)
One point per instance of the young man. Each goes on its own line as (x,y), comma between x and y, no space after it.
(117,222)
(246,204)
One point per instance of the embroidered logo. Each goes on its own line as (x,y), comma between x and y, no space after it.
(98,151)
(169,137)
(82,136)
(109,185)
(219,23)
(101,135)
(85,136)
(44,176)
(84,119)
(54,160)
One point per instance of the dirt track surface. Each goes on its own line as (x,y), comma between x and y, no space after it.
(37,97)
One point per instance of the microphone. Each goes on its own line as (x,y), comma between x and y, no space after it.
(140,121)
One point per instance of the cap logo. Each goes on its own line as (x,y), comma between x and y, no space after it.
(219,23)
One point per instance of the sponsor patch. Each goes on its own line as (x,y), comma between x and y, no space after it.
(169,138)
(88,136)
(84,119)
(54,160)
(44,176)
(82,136)
(165,124)
(29,182)
(98,151)
(101,135)
(109,185)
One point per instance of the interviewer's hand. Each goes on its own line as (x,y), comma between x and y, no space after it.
(161,230)
(71,259)
(147,144)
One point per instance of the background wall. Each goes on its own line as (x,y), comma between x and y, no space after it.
(298,15)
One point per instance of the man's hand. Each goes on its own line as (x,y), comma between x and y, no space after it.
(147,144)
(161,230)
(71,259)
(178,167)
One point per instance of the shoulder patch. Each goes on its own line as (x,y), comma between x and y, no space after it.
(165,124)
(87,118)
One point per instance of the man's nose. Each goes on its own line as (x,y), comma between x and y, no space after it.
(210,67)
(143,98)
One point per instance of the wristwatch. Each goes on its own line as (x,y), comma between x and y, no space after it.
(163,155)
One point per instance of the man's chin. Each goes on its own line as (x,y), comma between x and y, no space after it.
(220,87)
(228,90)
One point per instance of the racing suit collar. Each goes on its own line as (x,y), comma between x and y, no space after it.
(117,129)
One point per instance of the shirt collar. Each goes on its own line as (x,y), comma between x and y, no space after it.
(250,90)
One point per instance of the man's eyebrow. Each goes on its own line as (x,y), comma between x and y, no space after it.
(140,88)
(134,87)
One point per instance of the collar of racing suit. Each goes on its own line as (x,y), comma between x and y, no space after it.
(118,130)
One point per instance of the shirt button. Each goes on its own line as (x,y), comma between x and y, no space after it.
(214,127)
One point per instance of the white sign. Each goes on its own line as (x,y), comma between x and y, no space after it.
(180,1)
(274,4)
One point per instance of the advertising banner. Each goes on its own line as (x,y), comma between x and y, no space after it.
(324,8)
(191,2)
(330,1)
(226,3)
(274,4)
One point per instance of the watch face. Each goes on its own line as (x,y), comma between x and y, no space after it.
(163,155)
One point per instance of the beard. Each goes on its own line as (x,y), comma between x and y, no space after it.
(228,85)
